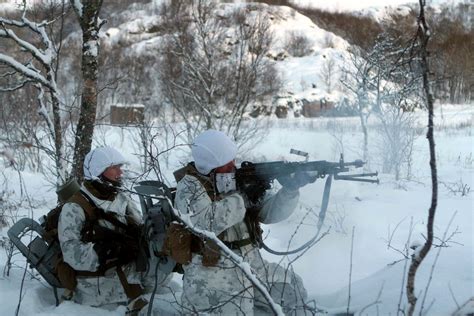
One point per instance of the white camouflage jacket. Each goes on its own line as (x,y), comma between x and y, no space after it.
(204,287)
(79,255)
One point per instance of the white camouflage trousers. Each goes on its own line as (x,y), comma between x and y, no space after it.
(225,290)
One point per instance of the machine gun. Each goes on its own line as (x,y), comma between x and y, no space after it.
(255,178)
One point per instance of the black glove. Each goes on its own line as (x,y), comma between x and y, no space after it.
(123,252)
(296,180)
(128,251)
(106,250)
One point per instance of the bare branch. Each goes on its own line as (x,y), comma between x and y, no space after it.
(239,261)
(444,239)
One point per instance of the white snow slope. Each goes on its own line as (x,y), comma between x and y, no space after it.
(383,217)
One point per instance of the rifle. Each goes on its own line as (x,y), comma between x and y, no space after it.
(255,178)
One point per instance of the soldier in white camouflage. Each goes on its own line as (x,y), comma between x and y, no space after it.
(207,192)
(93,249)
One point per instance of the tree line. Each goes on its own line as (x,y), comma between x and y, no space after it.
(191,76)
(56,68)
(450,46)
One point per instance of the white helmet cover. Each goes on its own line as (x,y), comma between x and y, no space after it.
(212,149)
(99,159)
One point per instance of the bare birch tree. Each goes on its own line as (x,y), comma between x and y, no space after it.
(87,12)
(39,68)
(329,73)
(34,62)
(357,78)
(378,80)
(396,97)
(214,66)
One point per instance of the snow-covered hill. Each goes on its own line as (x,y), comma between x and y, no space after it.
(368,5)
(139,32)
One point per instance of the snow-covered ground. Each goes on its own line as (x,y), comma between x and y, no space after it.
(350,5)
(383,218)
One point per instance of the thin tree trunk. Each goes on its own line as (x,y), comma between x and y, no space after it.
(61,165)
(88,19)
(363,123)
(423,37)
(58,141)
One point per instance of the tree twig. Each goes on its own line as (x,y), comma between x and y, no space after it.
(350,271)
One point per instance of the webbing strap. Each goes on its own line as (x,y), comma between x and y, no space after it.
(85,202)
(236,244)
(206,181)
(131,290)
(322,216)
(101,271)
(93,213)
(252,224)
(99,213)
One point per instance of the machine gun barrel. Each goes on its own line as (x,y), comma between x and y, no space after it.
(358,177)
(269,171)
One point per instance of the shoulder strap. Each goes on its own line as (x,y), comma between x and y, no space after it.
(86,203)
(93,212)
(205,181)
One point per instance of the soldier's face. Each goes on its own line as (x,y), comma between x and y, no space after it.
(227,168)
(113,173)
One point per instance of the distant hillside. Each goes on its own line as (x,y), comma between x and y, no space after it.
(452,40)
(131,44)
(307,45)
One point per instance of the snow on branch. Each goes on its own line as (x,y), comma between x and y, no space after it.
(45,56)
(26,70)
(77,6)
(38,69)
(236,259)
(42,109)
(13,86)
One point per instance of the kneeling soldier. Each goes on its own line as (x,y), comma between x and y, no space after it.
(99,233)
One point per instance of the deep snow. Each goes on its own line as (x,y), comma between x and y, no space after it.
(375,212)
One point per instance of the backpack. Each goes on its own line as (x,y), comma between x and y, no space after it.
(170,238)
(44,254)
(43,251)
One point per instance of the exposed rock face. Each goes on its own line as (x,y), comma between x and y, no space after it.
(281,111)
(317,108)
